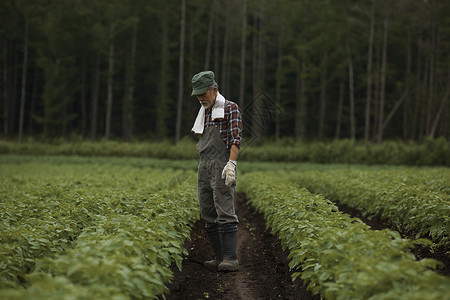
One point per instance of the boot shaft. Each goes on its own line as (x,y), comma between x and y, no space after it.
(212,232)
(229,250)
(229,239)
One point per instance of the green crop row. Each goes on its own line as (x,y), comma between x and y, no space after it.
(339,257)
(121,256)
(417,200)
(97,230)
(45,207)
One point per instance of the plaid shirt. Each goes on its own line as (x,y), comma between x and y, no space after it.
(230,127)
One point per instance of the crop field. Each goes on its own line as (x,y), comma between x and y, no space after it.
(339,256)
(116,228)
(91,228)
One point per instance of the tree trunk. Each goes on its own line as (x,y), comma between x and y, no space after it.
(94,97)
(298,101)
(258,74)
(261,47)
(394,109)
(438,114)
(351,95)
(431,74)
(407,103)
(6,100)
(210,31)
(83,99)
(217,35)
(418,84)
(255,55)
(422,101)
(226,41)
(376,91)
(161,110)
(24,82)
(181,72)
(33,102)
(53,99)
(300,107)
(323,95)
(369,73)
(339,110)
(64,120)
(130,117)
(441,107)
(279,78)
(383,78)
(13,95)
(127,114)
(255,82)
(191,56)
(125,100)
(243,54)
(109,101)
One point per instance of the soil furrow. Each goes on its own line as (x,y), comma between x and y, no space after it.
(263,265)
(264,272)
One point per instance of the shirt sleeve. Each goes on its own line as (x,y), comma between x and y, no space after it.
(234,125)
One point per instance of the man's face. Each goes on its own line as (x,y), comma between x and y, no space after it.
(208,98)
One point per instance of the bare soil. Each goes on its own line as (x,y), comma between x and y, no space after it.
(263,264)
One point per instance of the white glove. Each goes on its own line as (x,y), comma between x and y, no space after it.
(229,173)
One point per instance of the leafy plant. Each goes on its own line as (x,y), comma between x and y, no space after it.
(414,199)
(100,227)
(339,257)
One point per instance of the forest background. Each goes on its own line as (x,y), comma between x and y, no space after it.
(306,70)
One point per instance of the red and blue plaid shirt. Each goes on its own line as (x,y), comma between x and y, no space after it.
(230,126)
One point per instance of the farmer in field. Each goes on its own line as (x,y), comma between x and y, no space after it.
(219,126)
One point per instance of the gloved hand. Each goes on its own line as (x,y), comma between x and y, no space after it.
(229,173)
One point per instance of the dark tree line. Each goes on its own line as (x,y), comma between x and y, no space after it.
(366,69)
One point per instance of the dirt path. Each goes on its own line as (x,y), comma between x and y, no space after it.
(263,266)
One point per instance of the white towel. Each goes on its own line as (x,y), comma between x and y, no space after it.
(218,112)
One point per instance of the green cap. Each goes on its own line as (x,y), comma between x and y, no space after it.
(201,82)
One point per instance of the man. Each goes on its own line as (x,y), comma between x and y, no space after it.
(219,125)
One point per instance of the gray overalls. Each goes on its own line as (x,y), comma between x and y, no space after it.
(216,200)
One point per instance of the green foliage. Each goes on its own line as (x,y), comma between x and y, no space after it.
(69,43)
(414,199)
(432,152)
(109,228)
(183,150)
(75,228)
(340,257)
(51,287)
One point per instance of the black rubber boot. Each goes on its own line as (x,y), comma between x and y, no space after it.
(212,232)
(228,236)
